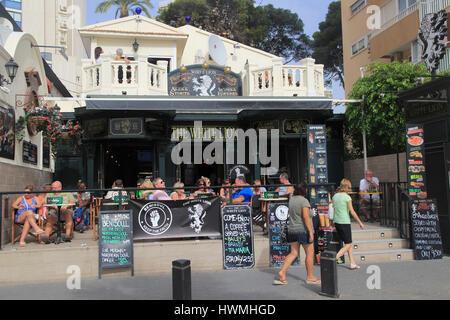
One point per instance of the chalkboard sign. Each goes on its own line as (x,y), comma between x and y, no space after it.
(115,240)
(278,218)
(237,237)
(425,230)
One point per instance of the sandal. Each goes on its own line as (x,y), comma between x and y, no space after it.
(317,281)
(279,282)
(23,244)
(354,267)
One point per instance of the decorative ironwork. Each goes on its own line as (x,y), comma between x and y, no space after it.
(25,100)
(432,32)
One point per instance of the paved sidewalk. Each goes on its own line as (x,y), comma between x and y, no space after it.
(399,280)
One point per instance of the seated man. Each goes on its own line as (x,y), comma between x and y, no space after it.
(66,213)
(118,184)
(370,184)
(243,194)
(81,213)
(285,192)
(257,190)
(160,194)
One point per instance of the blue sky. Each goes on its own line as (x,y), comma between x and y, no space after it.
(312,12)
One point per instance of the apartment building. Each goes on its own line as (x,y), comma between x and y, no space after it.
(55,23)
(384,30)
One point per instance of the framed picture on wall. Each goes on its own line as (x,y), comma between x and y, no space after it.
(7,134)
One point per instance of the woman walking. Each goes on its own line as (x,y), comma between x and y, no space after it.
(300,233)
(342,207)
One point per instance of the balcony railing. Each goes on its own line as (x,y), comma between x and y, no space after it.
(403,14)
(432,6)
(305,79)
(117,77)
(142,78)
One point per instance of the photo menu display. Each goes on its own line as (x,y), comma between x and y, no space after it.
(415,155)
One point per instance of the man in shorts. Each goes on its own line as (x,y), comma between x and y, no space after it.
(370,184)
(66,213)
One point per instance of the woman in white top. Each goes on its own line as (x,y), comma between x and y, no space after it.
(98,52)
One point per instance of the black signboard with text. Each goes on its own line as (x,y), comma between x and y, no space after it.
(199,81)
(115,246)
(126,127)
(278,218)
(318,175)
(176,219)
(238,248)
(425,230)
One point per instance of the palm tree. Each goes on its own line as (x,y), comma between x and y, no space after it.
(124,6)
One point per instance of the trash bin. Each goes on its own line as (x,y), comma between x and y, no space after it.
(328,273)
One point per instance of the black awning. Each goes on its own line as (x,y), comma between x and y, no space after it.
(233,105)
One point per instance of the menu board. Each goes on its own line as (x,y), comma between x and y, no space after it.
(425,230)
(415,157)
(318,175)
(30,153)
(237,237)
(115,246)
(278,218)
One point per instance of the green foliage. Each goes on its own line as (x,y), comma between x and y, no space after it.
(327,45)
(277,31)
(124,7)
(384,115)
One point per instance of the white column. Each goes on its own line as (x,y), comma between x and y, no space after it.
(277,74)
(142,76)
(106,76)
(163,78)
(309,76)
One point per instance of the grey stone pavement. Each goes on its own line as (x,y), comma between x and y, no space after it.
(408,280)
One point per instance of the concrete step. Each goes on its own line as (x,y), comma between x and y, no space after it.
(379,256)
(375,234)
(376,245)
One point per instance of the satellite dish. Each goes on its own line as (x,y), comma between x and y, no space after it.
(217,50)
(5,24)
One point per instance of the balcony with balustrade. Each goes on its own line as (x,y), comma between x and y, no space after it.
(143,78)
(397,31)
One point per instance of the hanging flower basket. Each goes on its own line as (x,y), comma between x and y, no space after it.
(65,135)
(43,119)
(34,125)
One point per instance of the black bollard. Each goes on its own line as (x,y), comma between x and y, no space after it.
(181,280)
(328,273)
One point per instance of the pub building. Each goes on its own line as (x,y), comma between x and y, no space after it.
(427,105)
(173,77)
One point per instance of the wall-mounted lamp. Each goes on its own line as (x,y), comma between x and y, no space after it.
(11,69)
(135,45)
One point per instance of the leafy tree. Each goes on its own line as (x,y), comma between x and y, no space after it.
(273,30)
(177,11)
(384,114)
(285,35)
(124,7)
(327,45)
